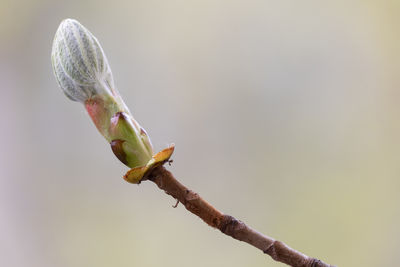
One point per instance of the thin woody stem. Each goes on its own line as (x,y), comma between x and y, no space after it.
(228,224)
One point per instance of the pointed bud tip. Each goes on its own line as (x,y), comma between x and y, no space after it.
(68,20)
(118,116)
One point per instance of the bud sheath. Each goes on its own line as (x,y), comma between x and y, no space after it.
(83,73)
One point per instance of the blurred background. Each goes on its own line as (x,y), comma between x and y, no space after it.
(285,114)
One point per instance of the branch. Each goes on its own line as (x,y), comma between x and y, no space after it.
(228,224)
(86,63)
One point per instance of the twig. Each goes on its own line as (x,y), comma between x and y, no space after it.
(86,61)
(228,224)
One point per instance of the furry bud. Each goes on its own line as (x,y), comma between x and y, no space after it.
(79,63)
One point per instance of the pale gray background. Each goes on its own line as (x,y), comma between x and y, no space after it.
(285,114)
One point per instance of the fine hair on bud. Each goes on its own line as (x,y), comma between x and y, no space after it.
(79,63)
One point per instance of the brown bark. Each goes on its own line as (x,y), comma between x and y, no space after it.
(228,224)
